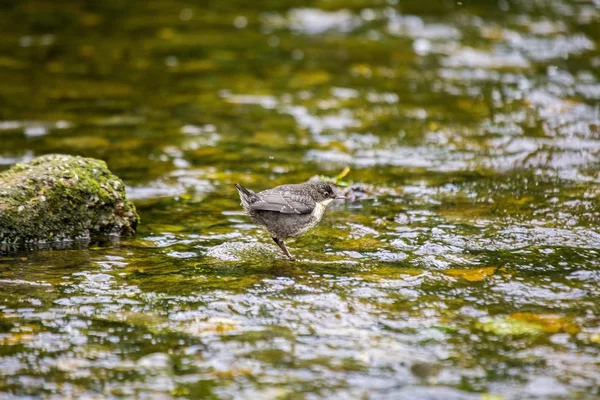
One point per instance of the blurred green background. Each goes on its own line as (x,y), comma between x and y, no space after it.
(471,272)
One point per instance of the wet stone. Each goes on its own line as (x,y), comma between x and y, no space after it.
(237,251)
(60,197)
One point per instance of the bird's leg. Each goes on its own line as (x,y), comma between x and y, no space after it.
(282,247)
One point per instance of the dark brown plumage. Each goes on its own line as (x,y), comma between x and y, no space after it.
(287,210)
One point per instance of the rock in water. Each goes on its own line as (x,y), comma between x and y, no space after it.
(61,197)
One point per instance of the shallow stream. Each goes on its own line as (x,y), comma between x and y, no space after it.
(470,271)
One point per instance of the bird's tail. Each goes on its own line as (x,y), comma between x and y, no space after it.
(243,191)
(246,195)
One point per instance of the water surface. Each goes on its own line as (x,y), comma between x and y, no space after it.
(470,272)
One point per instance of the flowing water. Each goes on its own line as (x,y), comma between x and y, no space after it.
(469,271)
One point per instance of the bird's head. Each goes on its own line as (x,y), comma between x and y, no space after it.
(323,193)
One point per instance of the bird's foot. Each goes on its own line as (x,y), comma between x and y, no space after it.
(281,245)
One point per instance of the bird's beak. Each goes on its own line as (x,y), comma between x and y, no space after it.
(340,197)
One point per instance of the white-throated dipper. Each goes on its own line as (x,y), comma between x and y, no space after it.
(288,210)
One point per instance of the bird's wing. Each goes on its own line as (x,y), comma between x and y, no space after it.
(284,202)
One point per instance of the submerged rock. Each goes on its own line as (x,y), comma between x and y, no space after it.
(237,251)
(60,197)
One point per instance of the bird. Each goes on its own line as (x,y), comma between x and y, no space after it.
(287,211)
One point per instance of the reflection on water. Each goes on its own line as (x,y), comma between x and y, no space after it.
(468,272)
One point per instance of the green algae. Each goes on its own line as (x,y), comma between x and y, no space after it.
(58,197)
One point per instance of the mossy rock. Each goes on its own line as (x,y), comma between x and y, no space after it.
(60,197)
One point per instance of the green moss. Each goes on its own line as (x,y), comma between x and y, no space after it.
(58,197)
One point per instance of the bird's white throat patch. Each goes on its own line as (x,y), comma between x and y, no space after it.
(320,207)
